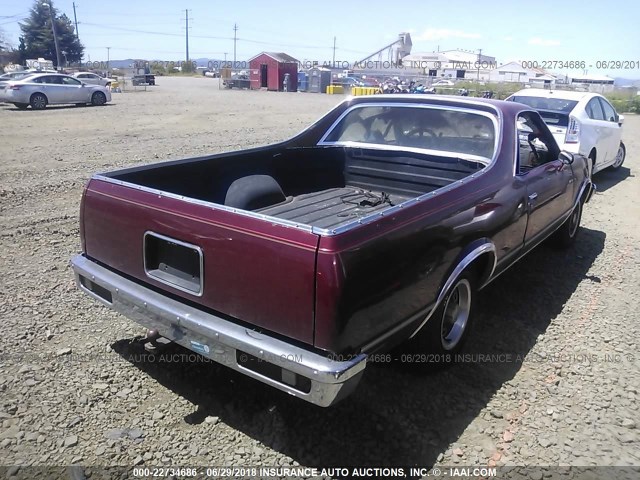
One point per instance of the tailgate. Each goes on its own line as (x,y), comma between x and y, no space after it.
(237,265)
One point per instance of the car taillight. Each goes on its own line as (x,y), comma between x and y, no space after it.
(573,131)
(14,87)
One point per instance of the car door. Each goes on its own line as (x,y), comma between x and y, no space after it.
(74,91)
(596,132)
(53,88)
(549,182)
(612,129)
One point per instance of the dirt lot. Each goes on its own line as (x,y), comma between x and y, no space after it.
(75,390)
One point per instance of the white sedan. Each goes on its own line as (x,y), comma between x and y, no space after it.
(45,89)
(92,79)
(581,122)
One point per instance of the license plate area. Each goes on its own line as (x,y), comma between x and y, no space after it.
(173,262)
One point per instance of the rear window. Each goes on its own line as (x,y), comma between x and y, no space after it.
(452,131)
(544,103)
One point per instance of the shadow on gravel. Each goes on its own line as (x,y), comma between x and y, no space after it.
(610,178)
(395,417)
(52,107)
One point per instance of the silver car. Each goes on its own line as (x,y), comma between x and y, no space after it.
(92,79)
(11,76)
(53,89)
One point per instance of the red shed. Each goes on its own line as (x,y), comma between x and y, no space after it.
(268,71)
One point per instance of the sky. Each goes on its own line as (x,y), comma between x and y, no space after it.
(538,31)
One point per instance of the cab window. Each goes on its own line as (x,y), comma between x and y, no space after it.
(536,145)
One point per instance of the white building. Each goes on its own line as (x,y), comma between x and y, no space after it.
(452,64)
(515,72)
(593,83)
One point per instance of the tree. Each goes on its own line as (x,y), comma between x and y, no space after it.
(3,42)
(37,35)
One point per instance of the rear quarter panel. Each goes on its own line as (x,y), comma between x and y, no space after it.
(255,272)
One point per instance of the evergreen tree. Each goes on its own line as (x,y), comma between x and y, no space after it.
(37,36)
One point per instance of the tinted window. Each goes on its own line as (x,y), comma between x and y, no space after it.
(609,112)
(453,131)
(543,103)
(594,111)
(71,81)
(51,79)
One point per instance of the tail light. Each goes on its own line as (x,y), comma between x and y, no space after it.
(13,87)
(573,131)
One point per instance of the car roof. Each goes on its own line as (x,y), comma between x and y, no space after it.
(561,94)
(32,76)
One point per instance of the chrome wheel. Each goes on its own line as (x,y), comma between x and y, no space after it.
(574,221)
(619,157)
(455,317)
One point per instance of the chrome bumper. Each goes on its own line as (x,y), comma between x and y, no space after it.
(299,372)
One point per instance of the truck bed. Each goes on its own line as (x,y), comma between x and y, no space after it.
(321,187)
(333,207)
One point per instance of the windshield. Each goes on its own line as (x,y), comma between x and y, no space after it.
(453,131)
(544,103)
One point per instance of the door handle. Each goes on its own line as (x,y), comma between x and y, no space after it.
(533,197)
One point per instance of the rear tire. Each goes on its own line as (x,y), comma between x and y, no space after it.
(620,156)
(38,101)
(566,235)
(98,99)
(446,332)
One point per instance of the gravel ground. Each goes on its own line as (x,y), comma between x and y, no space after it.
(552,376)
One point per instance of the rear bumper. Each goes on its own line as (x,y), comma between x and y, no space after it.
(292,369)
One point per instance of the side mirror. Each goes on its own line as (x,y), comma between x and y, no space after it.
(620,119)
(566,157)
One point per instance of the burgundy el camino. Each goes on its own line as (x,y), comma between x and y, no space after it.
(293,263)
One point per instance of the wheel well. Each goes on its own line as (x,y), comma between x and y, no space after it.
(592,155)
(39,93)
(482,267)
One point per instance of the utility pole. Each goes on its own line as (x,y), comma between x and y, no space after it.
(55,36)
(186,19)
(108,58)
(75,20)
(334,52)
(235,39)
(478,78)
(225,59)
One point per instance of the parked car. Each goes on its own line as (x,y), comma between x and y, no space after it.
(351,82)
(10,76)
(143,79)
(581,122)
(295,262)
(443,83)
(44,89)
(237,81)
(93,79)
